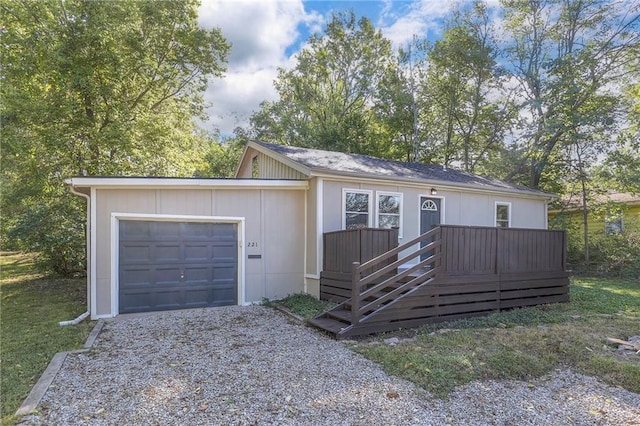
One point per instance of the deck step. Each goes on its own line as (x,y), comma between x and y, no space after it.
(342,315)
(328,324)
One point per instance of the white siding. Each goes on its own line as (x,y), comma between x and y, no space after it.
(274,225)
(459,207)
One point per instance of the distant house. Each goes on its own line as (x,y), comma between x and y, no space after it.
(173,243)
(612,213)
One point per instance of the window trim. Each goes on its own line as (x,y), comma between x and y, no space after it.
(344,205)
(495,213)
(400,211)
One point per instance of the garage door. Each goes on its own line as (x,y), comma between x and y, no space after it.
(177,265)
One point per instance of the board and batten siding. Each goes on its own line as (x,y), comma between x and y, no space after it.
(274,230)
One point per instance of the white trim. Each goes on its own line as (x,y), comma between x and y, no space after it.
(443,220)
(312,276)
(306,241)
(239,165)
(546,216)
(93,255)
(319,222)
(495,212)
(377,209)
(344,205)
(115,232)
(186,183)
(114,287)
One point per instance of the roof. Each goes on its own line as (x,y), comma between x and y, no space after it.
(317,162)
(575,203)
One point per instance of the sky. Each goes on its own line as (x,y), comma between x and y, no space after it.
(266,35)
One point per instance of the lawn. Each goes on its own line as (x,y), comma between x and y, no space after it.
(31,306)
(522,343)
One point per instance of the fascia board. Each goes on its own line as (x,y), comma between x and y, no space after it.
(179,183)
(242,157)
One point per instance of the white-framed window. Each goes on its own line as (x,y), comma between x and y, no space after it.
(356,207)
(613,223)
(503,214)
(389,210)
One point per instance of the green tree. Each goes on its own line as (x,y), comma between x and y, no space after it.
(568,58)
(95,88)
(464,103)
(328,99)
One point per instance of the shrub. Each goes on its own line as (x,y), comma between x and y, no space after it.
(55,231)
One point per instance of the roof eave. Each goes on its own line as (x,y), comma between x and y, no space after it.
(324,173)
(182,183)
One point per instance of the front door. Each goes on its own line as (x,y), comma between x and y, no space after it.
(429,217)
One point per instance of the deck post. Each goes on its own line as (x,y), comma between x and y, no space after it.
(355,293)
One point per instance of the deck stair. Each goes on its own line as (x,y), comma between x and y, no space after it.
(381,283)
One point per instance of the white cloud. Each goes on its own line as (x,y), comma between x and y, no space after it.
(423,16)
(260,33)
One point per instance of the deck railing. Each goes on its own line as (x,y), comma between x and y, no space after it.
(364,286)
(456,272)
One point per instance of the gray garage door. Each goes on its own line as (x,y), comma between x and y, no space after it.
(177,265)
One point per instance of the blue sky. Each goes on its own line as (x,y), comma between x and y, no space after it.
(266,35)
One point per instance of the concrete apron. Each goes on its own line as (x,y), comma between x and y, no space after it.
(37,392)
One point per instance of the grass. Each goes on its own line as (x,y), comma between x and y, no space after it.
(31,305)
(304,305)
(524,343)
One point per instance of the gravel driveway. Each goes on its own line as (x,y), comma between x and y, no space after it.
(254,366)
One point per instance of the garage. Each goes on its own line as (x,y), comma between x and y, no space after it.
(164,265)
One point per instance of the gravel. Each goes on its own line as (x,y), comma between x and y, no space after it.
(255,366)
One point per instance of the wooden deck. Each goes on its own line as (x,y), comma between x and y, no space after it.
(469,271)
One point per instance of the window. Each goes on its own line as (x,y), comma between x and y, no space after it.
(613,223)
(389,211)
(503,215)
(357,206)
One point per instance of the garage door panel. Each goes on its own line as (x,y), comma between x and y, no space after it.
(164,300)
(169,265)
(197,252)
(135,277)
(135,253)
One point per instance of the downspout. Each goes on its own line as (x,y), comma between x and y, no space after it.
(84,315)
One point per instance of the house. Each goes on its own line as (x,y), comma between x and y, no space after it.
(610,213)
(172,243)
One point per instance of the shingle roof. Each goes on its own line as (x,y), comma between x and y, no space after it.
(364,166)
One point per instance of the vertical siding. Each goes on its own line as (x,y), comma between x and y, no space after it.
(458,207)
(269,168)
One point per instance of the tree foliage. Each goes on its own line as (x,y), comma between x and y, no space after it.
(568,59)
(464,104)
(328,99)
(96,88)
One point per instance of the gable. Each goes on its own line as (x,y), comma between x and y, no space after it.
(258,165)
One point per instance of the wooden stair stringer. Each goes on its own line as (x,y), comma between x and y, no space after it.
(421,287)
